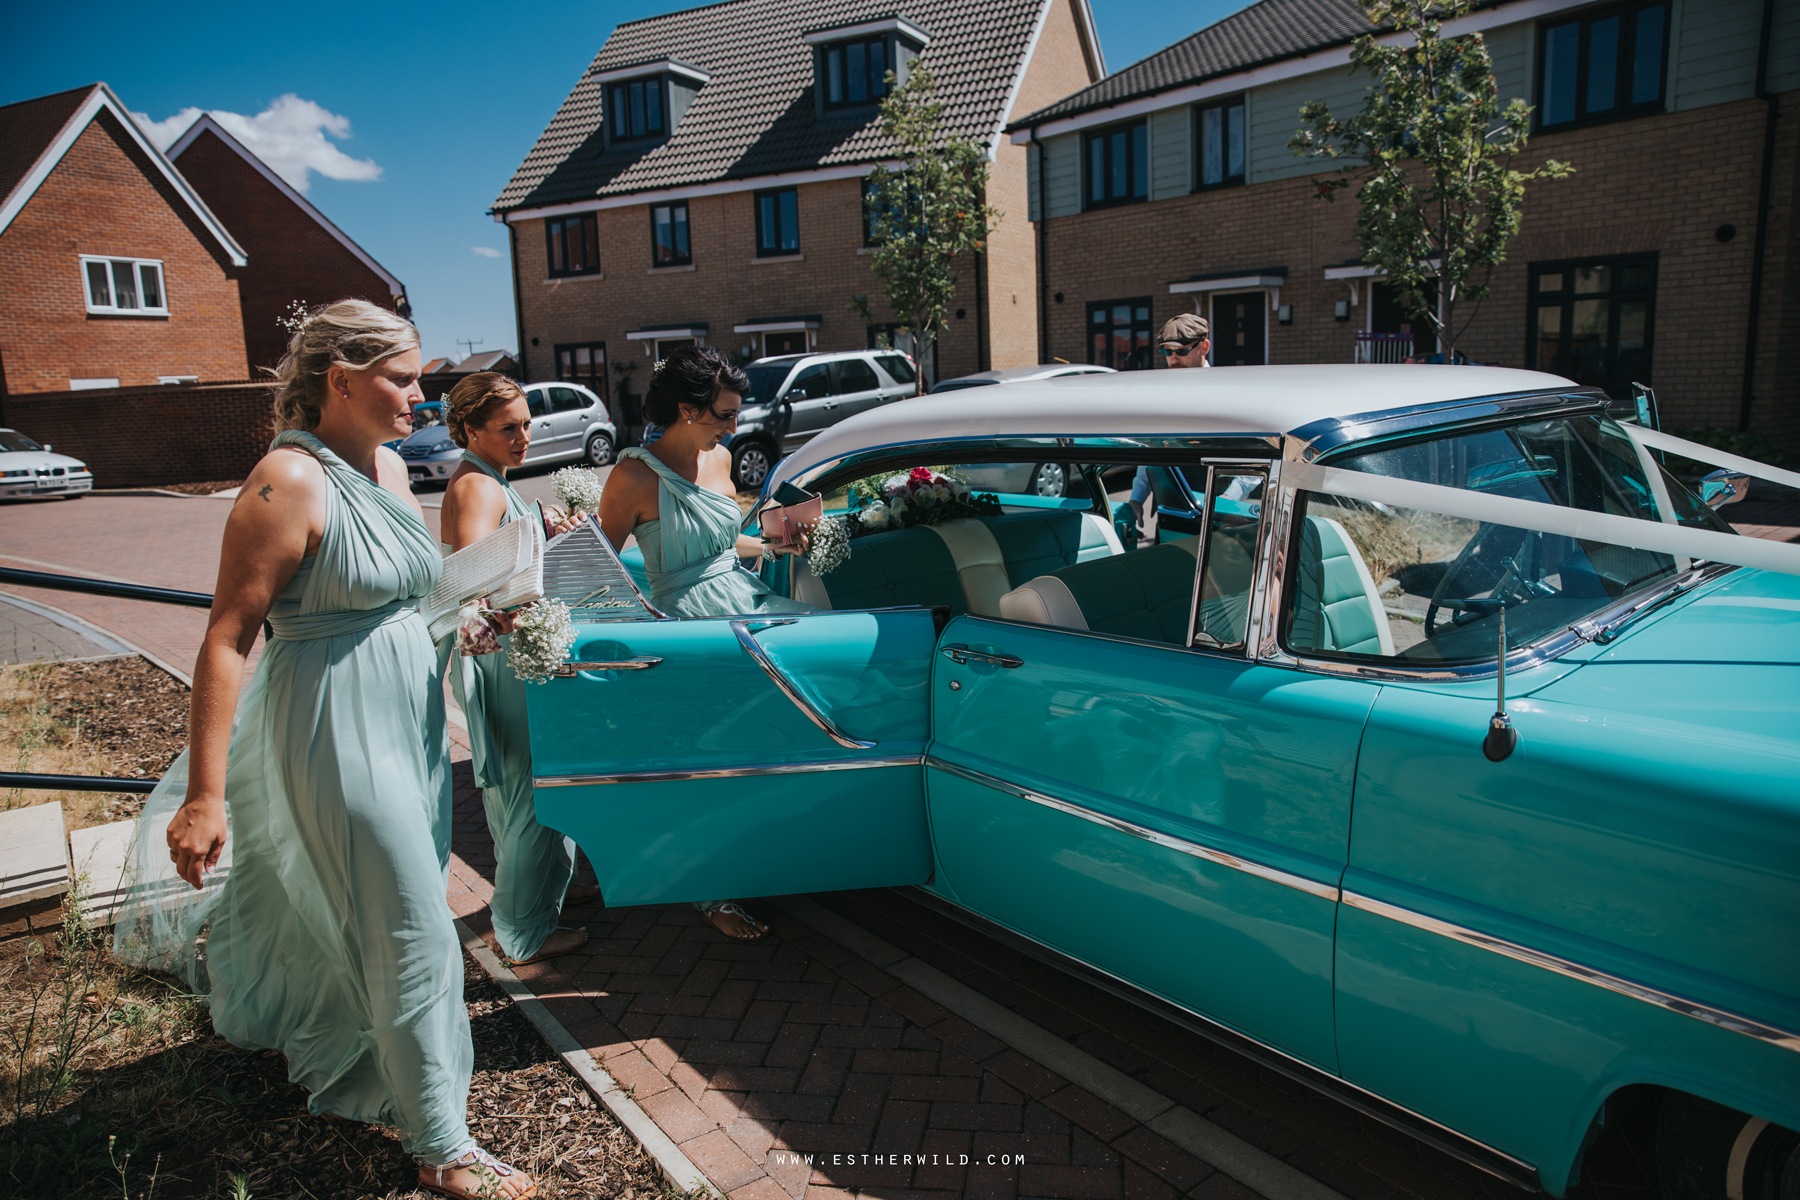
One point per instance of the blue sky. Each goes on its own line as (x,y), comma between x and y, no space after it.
(439,103)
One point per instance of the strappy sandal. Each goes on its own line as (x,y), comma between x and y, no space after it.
(737,910)
(543,954)
(477,1158)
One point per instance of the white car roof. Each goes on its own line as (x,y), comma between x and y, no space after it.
(1259,401)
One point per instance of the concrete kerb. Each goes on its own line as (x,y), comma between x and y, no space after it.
(1256,1169)
(676,1166)
(88,629)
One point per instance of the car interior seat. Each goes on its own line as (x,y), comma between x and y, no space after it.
(1145,594)
(1337,607)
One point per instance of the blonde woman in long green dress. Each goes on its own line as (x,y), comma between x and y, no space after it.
(328,796)
(533,866)
(678,499)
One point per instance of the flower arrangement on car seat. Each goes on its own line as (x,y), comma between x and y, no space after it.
(919,497)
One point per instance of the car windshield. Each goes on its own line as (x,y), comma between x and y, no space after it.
(764,381)
(12,440)
(431,435)
(1423,587)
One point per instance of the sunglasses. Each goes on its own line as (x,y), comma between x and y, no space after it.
(1189,348)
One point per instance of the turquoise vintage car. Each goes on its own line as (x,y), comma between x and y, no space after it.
(1241,769)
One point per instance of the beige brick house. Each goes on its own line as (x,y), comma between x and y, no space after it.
(703,181)
(1168,187)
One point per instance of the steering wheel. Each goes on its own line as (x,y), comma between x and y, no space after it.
(1466,610)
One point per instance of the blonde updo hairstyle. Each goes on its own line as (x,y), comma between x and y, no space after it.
(473,400)
(352,334)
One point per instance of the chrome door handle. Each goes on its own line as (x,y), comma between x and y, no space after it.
(961,654)
(747,640)
(569,670)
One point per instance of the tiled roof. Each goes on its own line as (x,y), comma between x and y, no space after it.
(27,129)
(487,360)
(1265,32)
(755,116)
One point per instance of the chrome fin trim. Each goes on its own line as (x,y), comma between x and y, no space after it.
(800,768)
(1735,1022)
(747,639)
(1477,1154)
(1323,891)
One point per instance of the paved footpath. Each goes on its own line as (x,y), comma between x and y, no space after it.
(868,1045)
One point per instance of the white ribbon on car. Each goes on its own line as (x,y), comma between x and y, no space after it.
(1656,536)
(1658,440)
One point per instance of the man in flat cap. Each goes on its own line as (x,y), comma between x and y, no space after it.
(1185,341)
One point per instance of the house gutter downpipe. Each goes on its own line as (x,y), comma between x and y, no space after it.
(1770,121)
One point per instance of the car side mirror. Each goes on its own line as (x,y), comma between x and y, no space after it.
(48,447)
(1718,489)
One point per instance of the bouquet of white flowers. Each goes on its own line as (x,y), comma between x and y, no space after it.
(830,542)
(579,488)
(541,637)
(919,497)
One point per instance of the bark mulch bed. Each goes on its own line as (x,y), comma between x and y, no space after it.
(205,1118)
(201,489)
(134,713)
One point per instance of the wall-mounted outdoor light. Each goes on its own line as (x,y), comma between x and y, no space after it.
(1341,310)
(1284,315)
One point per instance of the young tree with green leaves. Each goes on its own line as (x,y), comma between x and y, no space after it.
(1432,150)
(926,215)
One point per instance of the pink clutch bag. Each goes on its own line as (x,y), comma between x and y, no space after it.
(782,523)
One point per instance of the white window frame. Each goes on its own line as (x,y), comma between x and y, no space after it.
(137,266)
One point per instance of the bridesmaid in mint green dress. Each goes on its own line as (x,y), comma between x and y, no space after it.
(313,830)
(678,499)
(533,866)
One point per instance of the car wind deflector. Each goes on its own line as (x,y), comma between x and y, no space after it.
(581,570)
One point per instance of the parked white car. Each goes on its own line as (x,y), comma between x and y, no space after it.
(28,469)
(567,421)
(1019,375)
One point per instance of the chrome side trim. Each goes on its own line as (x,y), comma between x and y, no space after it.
(747,640)
(1747,1026)
(1366,430)
(1323,891)
(802,768)
(568,670)
(1477,1154)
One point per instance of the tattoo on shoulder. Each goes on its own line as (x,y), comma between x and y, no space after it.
(264,493)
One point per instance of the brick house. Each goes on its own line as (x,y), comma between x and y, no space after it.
(295,252)
(703,180)
(114,271)
(1169,187)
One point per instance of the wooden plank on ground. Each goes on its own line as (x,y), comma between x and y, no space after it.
(34,854)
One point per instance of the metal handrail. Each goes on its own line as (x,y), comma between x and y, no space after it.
(32,781)
(105,587)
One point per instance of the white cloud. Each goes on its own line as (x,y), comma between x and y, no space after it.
(289,135)
(485,251)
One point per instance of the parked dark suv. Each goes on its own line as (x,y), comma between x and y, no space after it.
(794,396)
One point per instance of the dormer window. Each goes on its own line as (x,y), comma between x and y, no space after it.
(851,63)
(645,102)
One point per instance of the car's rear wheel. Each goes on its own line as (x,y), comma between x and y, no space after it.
(751,462)
(599,450)
(1705,1151)
(1050,480)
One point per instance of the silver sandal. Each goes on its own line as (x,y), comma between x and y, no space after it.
(735,909)
(474,1156)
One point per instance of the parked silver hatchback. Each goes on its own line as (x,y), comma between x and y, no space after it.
(567,421)
(793,397)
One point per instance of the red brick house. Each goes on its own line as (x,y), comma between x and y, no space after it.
(295,252)
(113,270)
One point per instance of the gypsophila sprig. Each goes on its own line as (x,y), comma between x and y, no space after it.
(293,318)
(541,637)
(830,546)
(579,488)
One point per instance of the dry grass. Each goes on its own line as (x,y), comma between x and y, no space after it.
(120,716)
(202,489)
(150,1103)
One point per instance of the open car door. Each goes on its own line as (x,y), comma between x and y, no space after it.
(701,759)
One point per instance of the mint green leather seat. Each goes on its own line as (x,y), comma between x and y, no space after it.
(887,570)
(1337,608)
(1141,594)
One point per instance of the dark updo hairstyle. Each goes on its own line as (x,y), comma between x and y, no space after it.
(693,375)
(473,400)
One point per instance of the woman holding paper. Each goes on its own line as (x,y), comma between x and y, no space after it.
(316,825)
(677,497)
(533,866)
